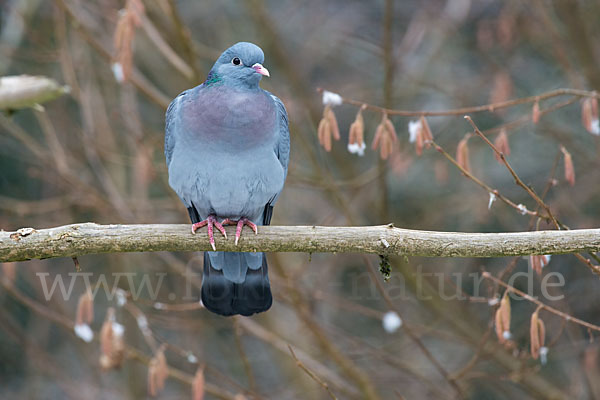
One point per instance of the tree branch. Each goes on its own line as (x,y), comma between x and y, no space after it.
(89,238)
(467,110)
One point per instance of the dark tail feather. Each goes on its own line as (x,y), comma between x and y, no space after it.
(224,297)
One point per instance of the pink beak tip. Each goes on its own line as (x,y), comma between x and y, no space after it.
(260,69)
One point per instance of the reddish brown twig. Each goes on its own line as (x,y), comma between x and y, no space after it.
(594,268)
(490,190)
(518,180)
(532,299)
(409,331)
(474,109)
(314,376)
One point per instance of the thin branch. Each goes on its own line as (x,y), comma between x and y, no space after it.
(330,349)
(89,238)
(413,336)
(594,268)
(137,79)
(167,51)
(132,352)
(527,117)
(268,336)
(532,299)
(237,330)
(489,189)
(518,180)
(311,374)
(476,356)
(473,109)
(185,38)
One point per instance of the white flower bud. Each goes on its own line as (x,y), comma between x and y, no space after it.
(391,322)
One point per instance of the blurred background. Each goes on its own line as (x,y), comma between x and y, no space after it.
(96,154)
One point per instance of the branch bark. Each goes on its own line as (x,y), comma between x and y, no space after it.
(89,238)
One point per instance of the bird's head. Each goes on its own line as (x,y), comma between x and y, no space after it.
(239,65)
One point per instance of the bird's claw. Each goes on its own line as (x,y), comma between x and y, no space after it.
(240,224)
(210,222)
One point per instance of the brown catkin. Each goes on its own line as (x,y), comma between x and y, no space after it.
(357,130)
(124,34)
(157,372)
(589,113)
(535,264)
(569,168)
(85,309)
(503,318)
(386,147)
(505,307)
(542,332)
(586,114)
(419,142)
(328,127)
(352,134)
(498,326)
(324,132)
(534,336)
(153,383)
(163,368)
(112,344)
(502,145)
(198,384)
(391,130)
(535,113)
(462,154)
(385,137)
(377,137)
(426,132)
(335,130)
(537,334)
(327,136)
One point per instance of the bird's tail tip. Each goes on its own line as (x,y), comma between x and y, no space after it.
(227,298)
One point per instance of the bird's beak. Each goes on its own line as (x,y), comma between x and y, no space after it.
(260,69)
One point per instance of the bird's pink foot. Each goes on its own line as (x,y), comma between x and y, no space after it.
(240,224)
(210,222)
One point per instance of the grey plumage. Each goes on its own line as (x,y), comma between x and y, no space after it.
(227,151)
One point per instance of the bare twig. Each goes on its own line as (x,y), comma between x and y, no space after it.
(518,180)
(474,109)
(132,352)
(532,299)
(490,190)
(410,332)
(281,344)
(185,38)
(476,356)
(167,51)
(237,330)
(311,374)
(137,79)
(594,268)
(332,350)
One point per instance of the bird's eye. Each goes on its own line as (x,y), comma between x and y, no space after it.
(236,61)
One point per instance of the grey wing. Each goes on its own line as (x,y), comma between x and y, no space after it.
(171,118)
(282,147)
(282,150)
